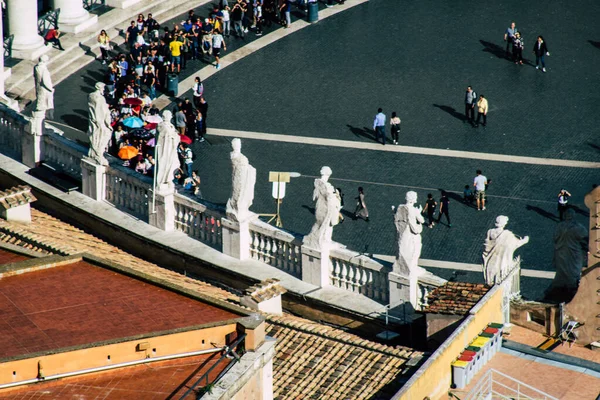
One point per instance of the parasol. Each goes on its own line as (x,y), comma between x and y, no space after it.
(133,122)
(151,142)
(154,119)
(127,153)
(185,139)
(140,133)
(150,126)
(133,101)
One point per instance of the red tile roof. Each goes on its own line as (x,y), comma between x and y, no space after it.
(455,298)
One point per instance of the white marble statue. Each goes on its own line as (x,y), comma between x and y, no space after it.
(498,255)
(570,255)
(166,151)
(409,225)
(44,90)
(327,209)
(99,129)
(243,178)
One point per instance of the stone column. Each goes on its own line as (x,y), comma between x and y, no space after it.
(121,3)
(73,17)
(93,179)
(22,22)
(3,75)
(32,142)
(316,265)
(403,289)
(163,215)
(236,237)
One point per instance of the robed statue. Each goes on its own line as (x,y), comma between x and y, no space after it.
(409,225)
(44,90)
(499,248)
(99,128)
(243,178)
(327,210)
(167,142)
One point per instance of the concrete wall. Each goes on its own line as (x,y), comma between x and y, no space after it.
(439,327)
(434,377)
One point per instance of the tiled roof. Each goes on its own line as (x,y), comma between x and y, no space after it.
(312,360)
(16,196)
(455,298)
(265,290)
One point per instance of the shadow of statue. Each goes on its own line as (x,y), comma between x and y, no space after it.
(310,209)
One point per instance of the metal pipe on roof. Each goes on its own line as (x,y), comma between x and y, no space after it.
(113,366)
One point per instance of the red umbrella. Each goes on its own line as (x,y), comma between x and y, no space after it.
(185,139)
(150,126)
(133,101)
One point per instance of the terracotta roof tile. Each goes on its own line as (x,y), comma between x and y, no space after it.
(312,360)
(16,196)
(455,298)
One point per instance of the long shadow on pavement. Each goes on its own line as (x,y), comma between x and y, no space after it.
(364,132)
(452,111)
(542,212)
(493,48)
(595,44)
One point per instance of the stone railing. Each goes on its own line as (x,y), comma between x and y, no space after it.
(359,274)
(64,153)
(13,127)
(276,247)
(199,221)
(128,190)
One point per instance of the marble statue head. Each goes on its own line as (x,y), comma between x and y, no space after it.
(167,116)
(411,197)
(236,145)
(44,59)
(100,86)
(501,221)
(326,172)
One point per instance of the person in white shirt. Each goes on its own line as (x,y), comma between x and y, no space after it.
(479,183)
(198,91)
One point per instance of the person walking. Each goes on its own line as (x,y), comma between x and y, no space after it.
(104,43)
(563,200)
(361,210)
(395,127)
(509,36)
(518,45)
(217,43)
(482,110)
(379,126)
(444,208)
(430,206)
(470,100)
(198,91)
(540,49)
(340,196)
(479,183)
(203,108)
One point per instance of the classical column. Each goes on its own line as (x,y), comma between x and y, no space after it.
(73,17)
(22,23)
(3,75)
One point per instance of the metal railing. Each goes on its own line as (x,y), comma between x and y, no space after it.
(228,352)
(495,384)
(48,21)
(91,5)
(8,46)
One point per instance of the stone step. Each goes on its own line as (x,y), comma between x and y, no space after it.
(79,47)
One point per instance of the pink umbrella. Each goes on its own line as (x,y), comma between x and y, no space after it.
(154,119)
(151,142)
(150,126)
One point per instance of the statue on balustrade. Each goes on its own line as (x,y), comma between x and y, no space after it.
(44,90)
(243,178)
(327,210)
(99,129)
(166,151)
(409,225)
(570,254)
(498,255)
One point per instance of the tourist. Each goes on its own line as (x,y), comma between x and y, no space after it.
(286,8)
(52,36)
(104,42)
(340,196)
(199,127)
(430,206)
(361,210)
(175,48)
(379,126)
(198,90)
(180,120)
(188,159)
(217,43)
(237,15)
(226,21)
(468,196)
(470,100)
(480,183)
(482,110)
(152,27)
(540,49)
(444,208)
(131,34)
(203,108)
(196,184)
(509,36)
(563,203)
(395,127)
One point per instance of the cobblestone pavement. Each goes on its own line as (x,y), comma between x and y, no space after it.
(417,59)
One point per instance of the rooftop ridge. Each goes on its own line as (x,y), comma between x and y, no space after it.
(34,240)
(16,196)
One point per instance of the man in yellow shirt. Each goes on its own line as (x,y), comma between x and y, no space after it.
(175,47)
(482,109)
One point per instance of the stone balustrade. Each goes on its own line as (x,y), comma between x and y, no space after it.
(199,221)
(64,153)
(13,127)
(358,273)
(128,190)
(275,247)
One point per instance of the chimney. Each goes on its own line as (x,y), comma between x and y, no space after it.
(14,204)
(265,297)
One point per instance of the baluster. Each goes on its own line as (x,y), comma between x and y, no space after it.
(364,279)
(276,252)
(268,246)
(357,278)
(255,246)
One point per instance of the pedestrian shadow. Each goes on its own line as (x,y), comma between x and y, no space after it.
(542,212)
(452,111)
(458,199)
(87,49)
(580,211)
(493,48)
(593,146)
(364,132)
(595,44)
